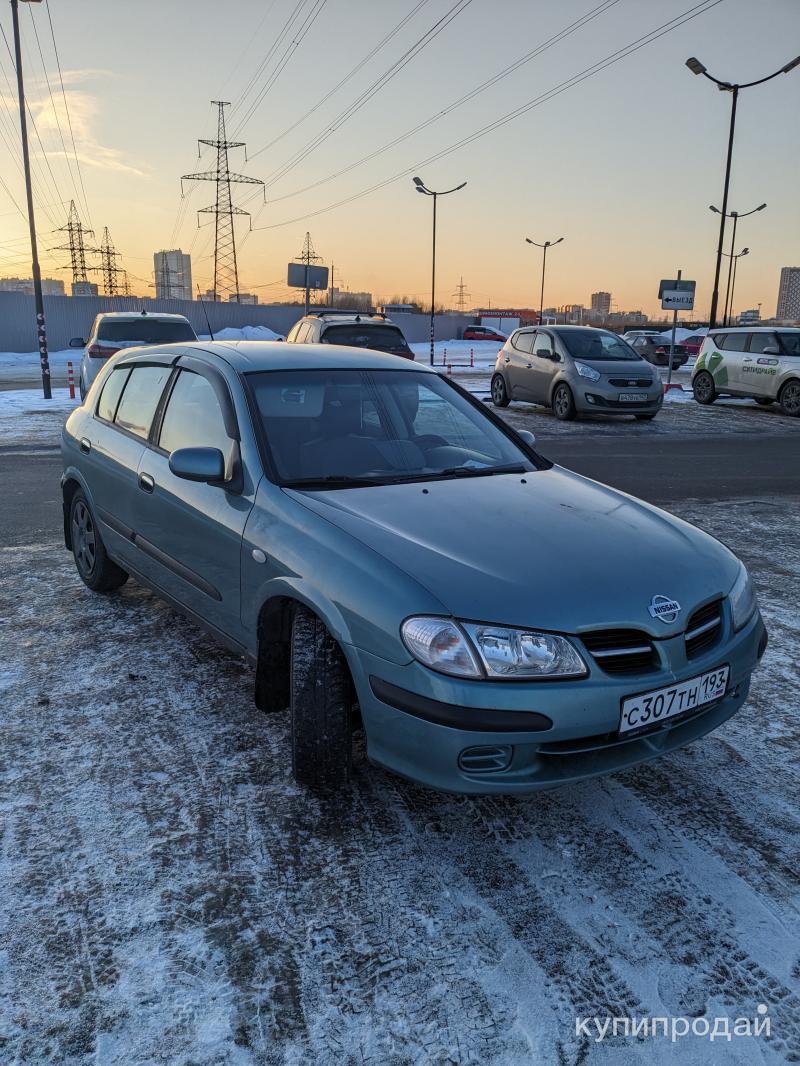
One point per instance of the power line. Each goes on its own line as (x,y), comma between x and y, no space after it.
(600,9)
(66,108)
(355,106)
(589,72)
(276,43)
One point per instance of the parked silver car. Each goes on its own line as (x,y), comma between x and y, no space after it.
(576,370)
(115,330)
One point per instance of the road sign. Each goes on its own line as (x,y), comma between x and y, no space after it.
(315,278)
(675,300)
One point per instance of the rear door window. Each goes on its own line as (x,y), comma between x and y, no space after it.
(733,342)
(112,390)
(523,342)
(760,341)
(193,417)
(140,398)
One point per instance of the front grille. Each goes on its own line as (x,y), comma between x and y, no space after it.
(621,651)
(631,383)
(703,629)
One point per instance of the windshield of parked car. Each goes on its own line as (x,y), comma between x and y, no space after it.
(334,428)
(359,335)
(596,344)
(144,331)
(790,342)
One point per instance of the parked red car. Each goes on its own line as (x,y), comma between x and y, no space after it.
(483,333)
(693,344)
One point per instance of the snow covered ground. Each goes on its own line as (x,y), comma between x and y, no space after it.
(26,417)
(170,896)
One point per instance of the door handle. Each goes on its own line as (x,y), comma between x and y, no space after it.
(86,445)
(748,359)
(529,365)
(146,482)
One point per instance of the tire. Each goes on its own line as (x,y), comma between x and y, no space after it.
(646,418)
(96,570)
(789,398)
(564,403)
(764,401)
(703,387)
(322,743)
(500,397)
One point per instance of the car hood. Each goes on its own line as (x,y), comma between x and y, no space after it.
(551,550)
(620,368)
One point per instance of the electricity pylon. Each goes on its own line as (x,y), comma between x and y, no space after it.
(115,279)
(307,257)
(76,246)
(226,269)
(462,295)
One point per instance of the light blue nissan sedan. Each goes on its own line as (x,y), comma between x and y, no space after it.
(392,556)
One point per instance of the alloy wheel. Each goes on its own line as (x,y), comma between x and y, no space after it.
(790,398)
(84,543)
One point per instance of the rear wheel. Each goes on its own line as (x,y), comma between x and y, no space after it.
(789,398)
(97,571)
(500,396)
(564,403)
(322,743)
(703,388)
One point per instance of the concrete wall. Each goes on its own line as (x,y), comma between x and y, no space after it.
(68,316)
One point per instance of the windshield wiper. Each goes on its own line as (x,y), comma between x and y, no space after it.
(461,471)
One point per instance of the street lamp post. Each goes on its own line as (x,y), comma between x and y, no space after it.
(735,215)
(41,333)
(421,187)
(734,259)
(697,67)
(544,247)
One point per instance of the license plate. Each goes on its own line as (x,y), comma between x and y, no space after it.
(633,397)
(651,708)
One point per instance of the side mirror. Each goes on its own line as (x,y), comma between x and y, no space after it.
(527,437)
(77,342)
(198,464)
(771,349)
(545,353)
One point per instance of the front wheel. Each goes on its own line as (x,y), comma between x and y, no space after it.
(322,743)
(789,399)
(96,570)
(564,403)
(703,388)
(500,396)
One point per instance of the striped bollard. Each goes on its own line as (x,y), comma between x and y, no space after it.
(70,380)
(471,357)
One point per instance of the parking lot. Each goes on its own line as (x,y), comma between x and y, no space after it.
(169,888)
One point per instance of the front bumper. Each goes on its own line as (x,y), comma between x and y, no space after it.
(534,735)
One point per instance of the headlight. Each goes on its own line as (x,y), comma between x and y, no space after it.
(743,599)
(587,372)
(440,644)
(524,653)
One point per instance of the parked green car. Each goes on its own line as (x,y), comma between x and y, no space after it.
(392,555)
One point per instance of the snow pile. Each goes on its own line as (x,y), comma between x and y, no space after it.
(244,333)
(26,416)
(30,360)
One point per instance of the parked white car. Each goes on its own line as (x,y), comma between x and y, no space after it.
(115,330)
(761,362)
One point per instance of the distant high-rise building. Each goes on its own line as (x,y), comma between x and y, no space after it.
(601,302)
(750,317)
(50,286)
(244,298)
(789,295)
(173,274)
(84,288)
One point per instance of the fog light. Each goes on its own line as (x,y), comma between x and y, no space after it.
(589,397)
(486,760)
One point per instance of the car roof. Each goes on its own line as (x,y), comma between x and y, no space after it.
(135,315)
(252,356)
(754,329)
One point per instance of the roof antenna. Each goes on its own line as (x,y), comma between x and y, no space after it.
(205,312)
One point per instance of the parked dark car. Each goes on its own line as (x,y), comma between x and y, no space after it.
(354,329)
(656,351)
(483,333)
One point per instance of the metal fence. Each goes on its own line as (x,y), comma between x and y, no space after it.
(72,316)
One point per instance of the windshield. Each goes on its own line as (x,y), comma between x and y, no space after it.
(144,331)
(596,344)
(790,342)
(358,335)
(329,428)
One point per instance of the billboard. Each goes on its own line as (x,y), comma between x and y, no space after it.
(296,276)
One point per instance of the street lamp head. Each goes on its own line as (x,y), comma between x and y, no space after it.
(744,251)
(461,186)
(790,66)
(418,182)
(761,207)
(529,241)
(560,239)
(695,65)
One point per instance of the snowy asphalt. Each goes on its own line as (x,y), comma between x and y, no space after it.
(169,896)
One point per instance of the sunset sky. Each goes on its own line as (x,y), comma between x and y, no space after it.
(623,164)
